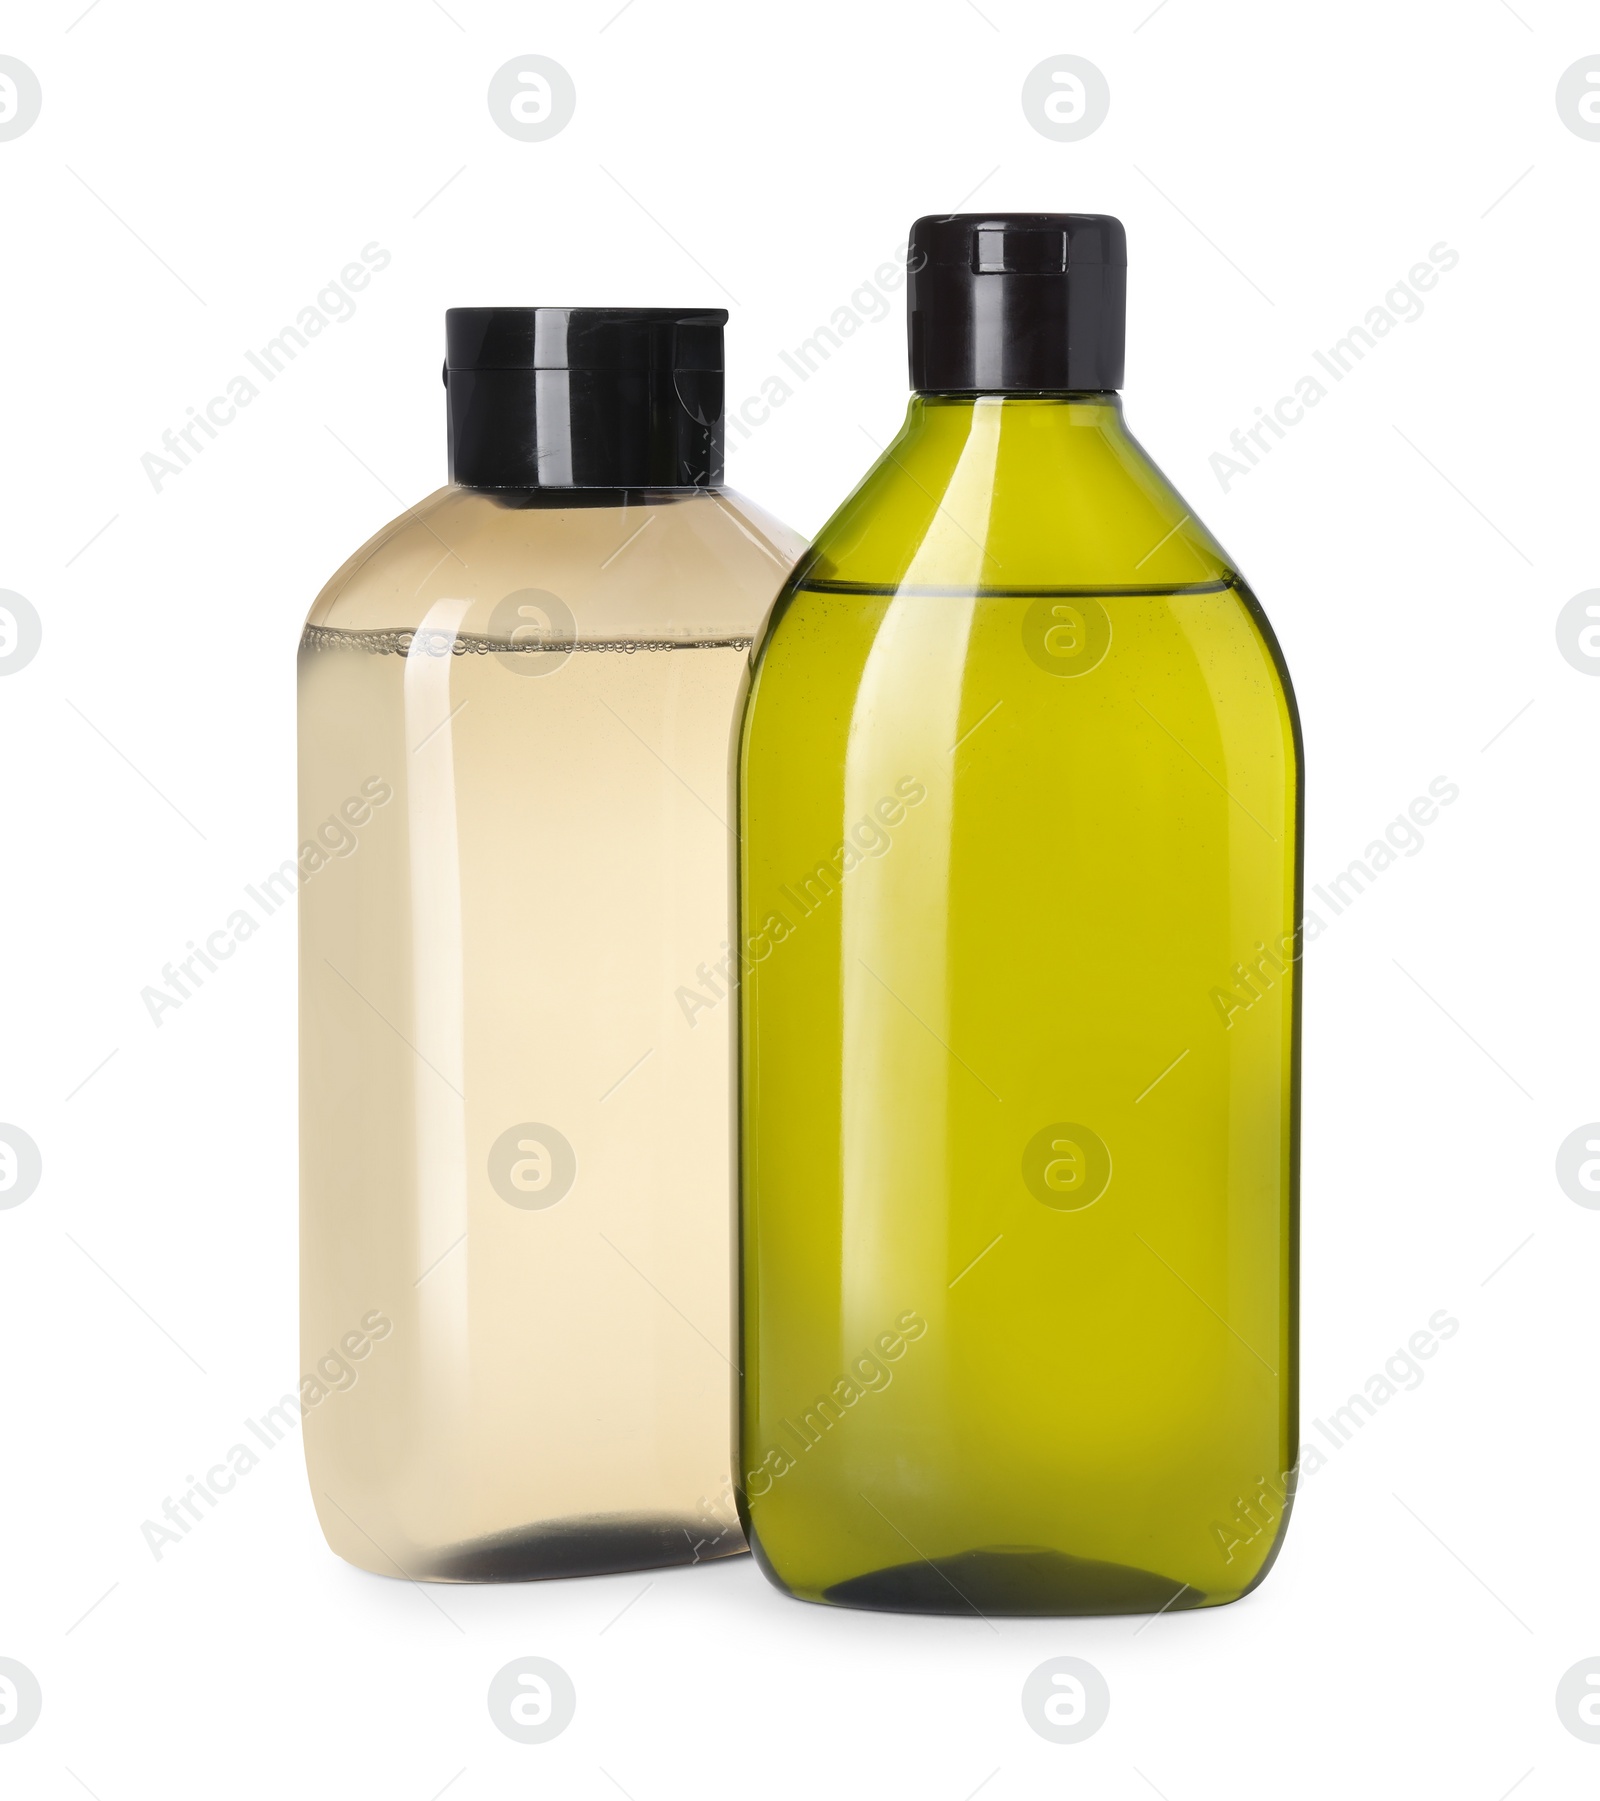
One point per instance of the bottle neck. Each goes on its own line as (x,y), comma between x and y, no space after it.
(1096,410)
(1003,439)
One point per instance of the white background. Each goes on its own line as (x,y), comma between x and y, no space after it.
(197,174)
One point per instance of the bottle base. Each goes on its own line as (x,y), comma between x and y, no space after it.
(1017,1581)
(604,1545)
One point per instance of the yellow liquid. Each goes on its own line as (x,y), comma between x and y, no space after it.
(1018,1326)
(493,945)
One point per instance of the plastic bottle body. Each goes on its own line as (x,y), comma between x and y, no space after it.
(516,717)
(1020,793)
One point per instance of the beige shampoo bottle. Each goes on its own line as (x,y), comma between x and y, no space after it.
(516,710)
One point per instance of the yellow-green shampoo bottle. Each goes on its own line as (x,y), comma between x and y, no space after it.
(1020,796)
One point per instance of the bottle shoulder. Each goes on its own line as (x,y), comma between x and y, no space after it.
(660,566)
(981,509)
(1000,495)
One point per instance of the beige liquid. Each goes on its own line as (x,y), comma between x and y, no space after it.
(527,1377)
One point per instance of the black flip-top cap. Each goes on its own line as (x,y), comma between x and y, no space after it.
(584,397)
(1017,302)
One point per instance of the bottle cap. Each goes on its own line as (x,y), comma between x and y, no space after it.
(1016,302)
(584,397)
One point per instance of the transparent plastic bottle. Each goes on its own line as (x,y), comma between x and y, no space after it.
(1020,886)
(517,704)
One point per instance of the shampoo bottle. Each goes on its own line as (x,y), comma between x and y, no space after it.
(1020,794)
(517,704)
